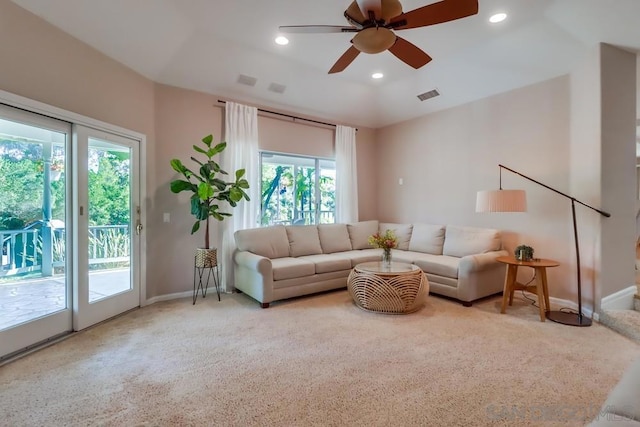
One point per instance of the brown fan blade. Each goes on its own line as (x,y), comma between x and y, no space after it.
(409,53)
(354,14)
(370,6)
(436,13)
(310,29)
(344,61)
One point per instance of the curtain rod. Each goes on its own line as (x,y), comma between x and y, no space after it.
(290,116)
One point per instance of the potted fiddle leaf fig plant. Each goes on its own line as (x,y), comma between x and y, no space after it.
(209,192)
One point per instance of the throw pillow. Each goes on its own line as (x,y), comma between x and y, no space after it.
(402,232)
(427,238)
(303,240)
(334,238)
(463,241)
(359,233)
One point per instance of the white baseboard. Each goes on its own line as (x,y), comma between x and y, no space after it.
(168,297)
(621,300)
(563,303)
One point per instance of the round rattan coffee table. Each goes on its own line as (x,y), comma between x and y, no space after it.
(398,289)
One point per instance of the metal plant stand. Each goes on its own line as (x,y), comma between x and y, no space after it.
(201,277)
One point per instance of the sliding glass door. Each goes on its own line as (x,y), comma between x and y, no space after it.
(107,224)
(69,228)
(35,287)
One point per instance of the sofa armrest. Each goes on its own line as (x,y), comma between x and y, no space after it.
(253,275)
(252,261)
(479,262)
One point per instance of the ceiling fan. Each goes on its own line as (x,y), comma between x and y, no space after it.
(374,22)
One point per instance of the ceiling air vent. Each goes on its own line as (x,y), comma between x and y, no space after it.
(277,88)
(427,95)
(247,80)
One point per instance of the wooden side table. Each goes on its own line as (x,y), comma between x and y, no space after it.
(540,288)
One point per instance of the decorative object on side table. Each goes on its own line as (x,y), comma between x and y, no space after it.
(386,241)
(208,189)
(524,253)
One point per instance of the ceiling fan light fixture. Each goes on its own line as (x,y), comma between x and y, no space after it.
(374,40)
(390,9)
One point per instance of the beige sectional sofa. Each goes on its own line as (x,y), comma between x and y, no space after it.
(279,262)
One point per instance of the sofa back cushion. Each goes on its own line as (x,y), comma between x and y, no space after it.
(334,238)
(427,238)
(303,240)
(463,241)
(270,242)
(359,233)
(402,232)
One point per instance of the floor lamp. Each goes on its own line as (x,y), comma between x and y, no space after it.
(515,201)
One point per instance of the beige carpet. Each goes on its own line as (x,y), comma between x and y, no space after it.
(318,361)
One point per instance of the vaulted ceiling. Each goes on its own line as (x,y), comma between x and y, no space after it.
(206,45)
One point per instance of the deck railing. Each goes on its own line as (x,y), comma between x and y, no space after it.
(21,250)
(307,217)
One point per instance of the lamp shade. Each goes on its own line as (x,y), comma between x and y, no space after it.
(501,201)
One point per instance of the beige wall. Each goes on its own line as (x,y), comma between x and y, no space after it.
(446,157)
(617,183)
(586,169)
(603,169)
(182,119)
(573,133)
(43,63)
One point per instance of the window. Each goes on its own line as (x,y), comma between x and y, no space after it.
(297,190)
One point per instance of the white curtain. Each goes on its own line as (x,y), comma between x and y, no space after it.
(346,175)
(241,135)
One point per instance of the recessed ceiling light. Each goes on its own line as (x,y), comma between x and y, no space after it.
(377,75)
(282,40)
(498,17)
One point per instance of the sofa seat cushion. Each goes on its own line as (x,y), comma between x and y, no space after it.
(364,255)
(269,242)
(313,281)
(334,238)
(402,256)
(288,268)
(326,263)
(463,241)
(441,265)
(303,240)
